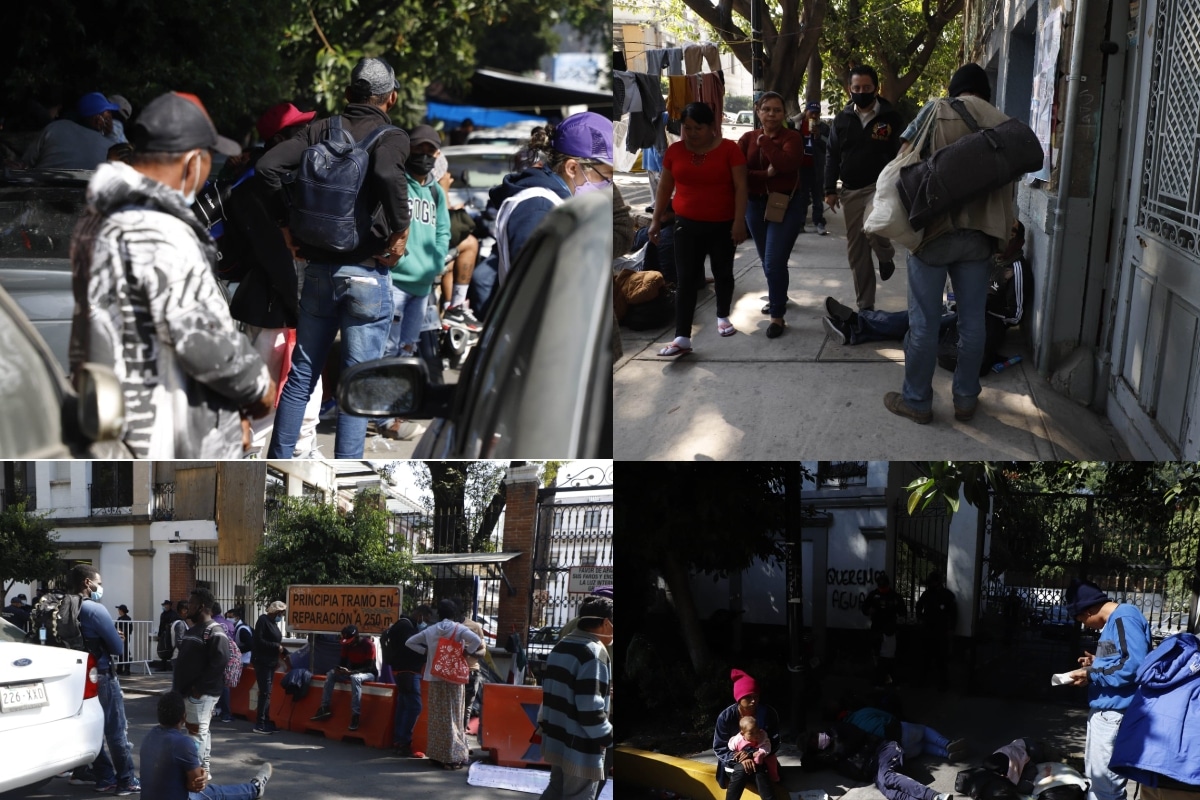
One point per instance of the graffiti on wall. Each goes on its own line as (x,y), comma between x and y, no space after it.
(848,588)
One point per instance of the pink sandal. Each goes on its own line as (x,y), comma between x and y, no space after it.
(726,329)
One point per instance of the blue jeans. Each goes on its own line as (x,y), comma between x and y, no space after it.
(966,255)
(355,679)
(891,782)
(408,317)
(1101,733)
(238,791)
(812,181)
(118,768)
(883,326)
(357,301)
(922,739)
(774,242)
(408,707)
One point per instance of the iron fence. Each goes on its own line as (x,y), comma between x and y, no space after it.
(163,502)
(230,583)
(922,548)
(573,553)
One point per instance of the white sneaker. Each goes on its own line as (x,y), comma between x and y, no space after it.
(260,780)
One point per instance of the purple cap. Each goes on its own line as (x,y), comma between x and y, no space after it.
(175,123)
(586,135)
(603,591)
(94,103)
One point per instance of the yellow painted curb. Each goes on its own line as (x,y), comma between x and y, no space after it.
(691,779)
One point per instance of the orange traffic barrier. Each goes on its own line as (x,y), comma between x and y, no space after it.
(509,719)
(420,736)
(239,696)
(376,719)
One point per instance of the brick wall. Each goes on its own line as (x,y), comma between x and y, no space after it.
(520,514)
(183,576)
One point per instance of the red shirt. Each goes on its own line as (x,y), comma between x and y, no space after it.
(704,190)
(359,655)
(785,152)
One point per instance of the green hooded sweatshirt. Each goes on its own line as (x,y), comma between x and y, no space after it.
(428,240)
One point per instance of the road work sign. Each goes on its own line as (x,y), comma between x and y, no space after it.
(328,609)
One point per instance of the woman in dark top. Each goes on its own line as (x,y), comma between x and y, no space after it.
(707,176)
(774,155)
(735,770)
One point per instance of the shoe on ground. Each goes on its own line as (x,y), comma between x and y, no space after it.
(353,722)
(775,330)
(821,228)
(766,308)
(886,268)
(329,410)
(107,787)
(457,315)
(226,718)
(133,787)
(957,747)
(81,777)
(839,330)
(262,730)
(322,713)
(895,404)
(964,415)
(260,780)
(404,430)
(839,311)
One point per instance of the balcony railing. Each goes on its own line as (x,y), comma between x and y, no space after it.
(109,500)
(164,501)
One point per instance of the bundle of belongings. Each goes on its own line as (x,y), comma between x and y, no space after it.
(1023,767)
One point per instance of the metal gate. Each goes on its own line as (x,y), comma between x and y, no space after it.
(230,584)
(1139,550)
(922,547)
(573,547)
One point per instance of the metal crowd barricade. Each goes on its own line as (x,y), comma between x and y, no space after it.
(141,644)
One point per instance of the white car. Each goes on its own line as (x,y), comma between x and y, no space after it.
(50,714)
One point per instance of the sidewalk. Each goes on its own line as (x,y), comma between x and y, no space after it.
(749,397)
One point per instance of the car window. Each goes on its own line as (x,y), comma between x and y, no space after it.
(10,632)
(483,170)
(38,221)
(29,394)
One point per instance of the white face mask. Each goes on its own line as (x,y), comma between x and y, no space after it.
(97,593)
(190,197)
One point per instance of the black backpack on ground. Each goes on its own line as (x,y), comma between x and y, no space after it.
(58,613)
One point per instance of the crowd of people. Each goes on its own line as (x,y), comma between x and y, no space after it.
(715,193)
(359,250)
(1137,722)
(197,643)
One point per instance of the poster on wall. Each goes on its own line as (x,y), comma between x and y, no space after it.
(1041,113)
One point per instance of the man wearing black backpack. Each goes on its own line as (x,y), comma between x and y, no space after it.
(347,286)
(407,668)
(100,638)
(200,670)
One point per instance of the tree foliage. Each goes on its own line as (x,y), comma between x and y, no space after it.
(28,547)
(914,45)
(310,542)
(466,498)
(240,58)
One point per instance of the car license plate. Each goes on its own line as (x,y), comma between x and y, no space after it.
(16,697)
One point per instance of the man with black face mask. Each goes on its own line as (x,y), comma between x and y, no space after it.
(864,138)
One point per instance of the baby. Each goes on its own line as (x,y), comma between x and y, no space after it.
(755,740)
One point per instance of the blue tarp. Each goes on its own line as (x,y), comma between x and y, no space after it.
(482,117)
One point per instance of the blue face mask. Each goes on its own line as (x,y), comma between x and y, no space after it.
(422,625)
(97,593)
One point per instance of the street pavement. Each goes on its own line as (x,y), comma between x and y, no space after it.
(747,396)
(307,766)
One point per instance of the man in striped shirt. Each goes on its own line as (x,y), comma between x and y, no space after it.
(574,715)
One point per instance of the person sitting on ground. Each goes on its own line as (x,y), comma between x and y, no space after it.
(171,768)
(754,740)
(357,666)
(661,256)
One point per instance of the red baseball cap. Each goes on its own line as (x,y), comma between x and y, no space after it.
(281,116)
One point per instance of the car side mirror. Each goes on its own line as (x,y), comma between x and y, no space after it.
(392,387)
(101,403)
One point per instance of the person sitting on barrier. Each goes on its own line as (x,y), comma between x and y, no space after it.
(357,665)
(171,768)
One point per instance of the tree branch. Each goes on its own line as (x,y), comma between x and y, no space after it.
(317,27)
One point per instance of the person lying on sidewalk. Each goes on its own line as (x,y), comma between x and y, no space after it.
(862,756)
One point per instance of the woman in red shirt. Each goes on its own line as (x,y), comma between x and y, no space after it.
(707,176)
(774,156)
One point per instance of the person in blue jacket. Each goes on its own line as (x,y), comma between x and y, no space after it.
(1159,742)
(1110,675)
(735,770)
(115,774)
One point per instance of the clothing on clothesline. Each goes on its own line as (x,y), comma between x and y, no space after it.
(618,60)
(694,56)
(645,124)
(678,96)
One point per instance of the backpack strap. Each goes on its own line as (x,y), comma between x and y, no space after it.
(961,108)
(369,140)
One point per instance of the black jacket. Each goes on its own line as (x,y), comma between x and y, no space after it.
(858,154)
(200,667)
(387,183)
(267,639)
(268,295)
(403,659)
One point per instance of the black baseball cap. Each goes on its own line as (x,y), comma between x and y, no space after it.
(176,122)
